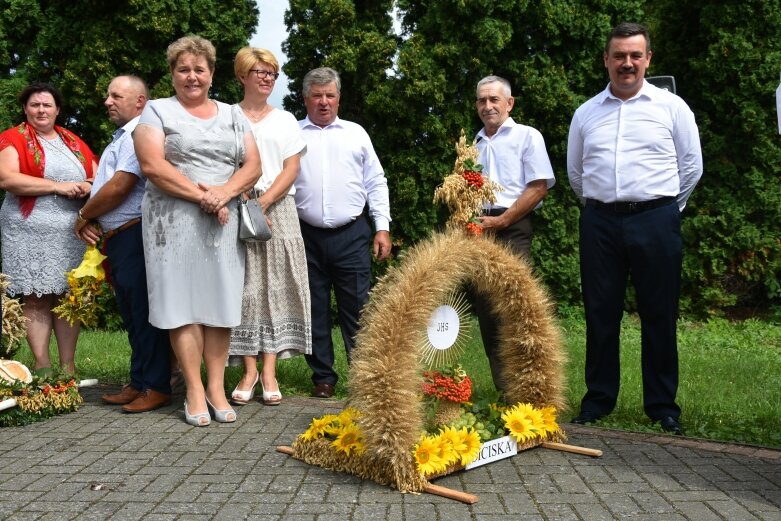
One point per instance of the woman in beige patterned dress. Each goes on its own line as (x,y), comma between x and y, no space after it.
(275,314)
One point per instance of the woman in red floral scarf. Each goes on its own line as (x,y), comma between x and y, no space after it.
(46,172)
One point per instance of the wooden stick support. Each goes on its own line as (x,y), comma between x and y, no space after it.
(571,448)
(451,494)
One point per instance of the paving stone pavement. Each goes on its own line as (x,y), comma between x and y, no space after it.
(99,463)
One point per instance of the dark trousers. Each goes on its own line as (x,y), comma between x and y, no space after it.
(518,236)
(150,358)
(337,258)
(647,247)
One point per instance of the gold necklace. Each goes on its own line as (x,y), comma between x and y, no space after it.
(253,116)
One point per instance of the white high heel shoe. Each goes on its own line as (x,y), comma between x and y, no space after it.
(271,397)
(239,397)
(221,415)
(201,419)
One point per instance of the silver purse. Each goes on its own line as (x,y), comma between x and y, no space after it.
(253,226)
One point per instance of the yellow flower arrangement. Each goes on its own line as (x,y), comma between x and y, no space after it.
(318,427)
(43,398)
(348,415)
(349,439)
(549,425)
(14,326)
(85,283)
(344,433)
(464,442)
(524,422)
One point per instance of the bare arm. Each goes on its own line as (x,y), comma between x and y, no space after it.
(12,180)
(109,197)
(528,200)
(281,185)
(214,198)
(149,143)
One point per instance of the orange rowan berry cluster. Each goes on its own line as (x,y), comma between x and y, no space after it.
(446,388)
(473,179)
(473,228)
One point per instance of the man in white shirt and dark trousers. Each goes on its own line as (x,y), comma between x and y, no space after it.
(633,158)
(340,175)
(514,156)
(115,203)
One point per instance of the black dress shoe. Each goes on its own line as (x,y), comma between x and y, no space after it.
(586,417)
(323,391)
(671,425)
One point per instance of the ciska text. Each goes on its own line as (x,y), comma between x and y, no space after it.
(494,450)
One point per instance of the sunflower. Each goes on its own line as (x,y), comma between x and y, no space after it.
(318,428)
(549,421)
(427,456)
(348,415)
(520,421)
(445,451)
(349,439)
(468,445)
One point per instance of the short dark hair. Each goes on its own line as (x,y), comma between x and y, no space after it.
(627,29)
(36,87)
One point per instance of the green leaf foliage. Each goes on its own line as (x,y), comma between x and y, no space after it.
(79,46)
(550,51)
(726,58)
(725,63)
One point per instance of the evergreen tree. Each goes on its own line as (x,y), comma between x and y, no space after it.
(355,38)
(726,58)
(78,46)
(550,51)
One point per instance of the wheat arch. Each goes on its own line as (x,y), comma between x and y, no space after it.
(385,375)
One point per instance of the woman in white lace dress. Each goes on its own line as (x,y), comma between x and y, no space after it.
(276,318)
(46,172)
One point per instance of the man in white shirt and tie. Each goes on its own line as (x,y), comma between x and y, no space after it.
(514,156)
(633,158)
(340,175)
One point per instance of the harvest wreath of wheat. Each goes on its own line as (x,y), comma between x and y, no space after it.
(385,374)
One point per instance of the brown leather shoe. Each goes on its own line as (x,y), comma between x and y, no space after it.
(148,401)
(126,395)
(323,391)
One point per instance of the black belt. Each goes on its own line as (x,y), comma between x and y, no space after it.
(494,212)
(631,206)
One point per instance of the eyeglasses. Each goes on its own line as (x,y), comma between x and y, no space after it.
(260,73)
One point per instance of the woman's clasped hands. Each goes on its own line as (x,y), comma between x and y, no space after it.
(72,190)
(214,200)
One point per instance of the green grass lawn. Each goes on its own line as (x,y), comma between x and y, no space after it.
(730,375)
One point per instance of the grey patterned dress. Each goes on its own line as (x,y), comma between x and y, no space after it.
(40,250)
(194,265)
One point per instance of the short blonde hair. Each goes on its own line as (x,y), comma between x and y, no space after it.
(192,44)
(247,57)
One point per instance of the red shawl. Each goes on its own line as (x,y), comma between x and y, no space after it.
(32,161)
